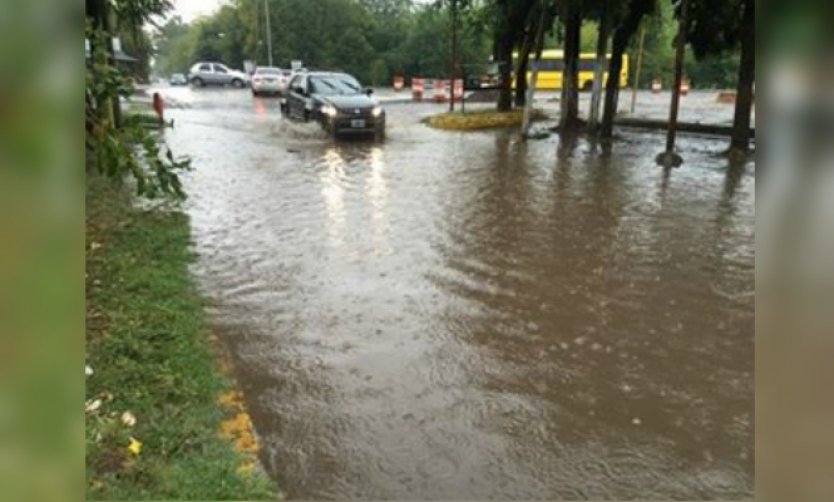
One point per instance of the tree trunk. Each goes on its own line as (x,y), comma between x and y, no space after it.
(504,56)
(522,68)
(99,14)
(520,74)
(612,85)
(570,74)
(671,133)
(115,104)
(746,77)
(96,13)
(619,43)
(599,69)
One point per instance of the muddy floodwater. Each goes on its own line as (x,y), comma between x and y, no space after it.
(464,316)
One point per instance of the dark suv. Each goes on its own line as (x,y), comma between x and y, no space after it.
(337,101)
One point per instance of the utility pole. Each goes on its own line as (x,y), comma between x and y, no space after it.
(636,82)
(268,33)
(454,9)
(669,158)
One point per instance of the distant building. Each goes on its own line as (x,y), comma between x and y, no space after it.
(118,54)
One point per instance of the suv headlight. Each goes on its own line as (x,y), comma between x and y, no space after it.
(377,111)
(329,110)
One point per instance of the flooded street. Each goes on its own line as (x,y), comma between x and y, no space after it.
(465,316)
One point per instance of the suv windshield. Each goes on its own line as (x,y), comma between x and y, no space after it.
(334,84)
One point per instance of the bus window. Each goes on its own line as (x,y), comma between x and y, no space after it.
(552,65)
(591,64)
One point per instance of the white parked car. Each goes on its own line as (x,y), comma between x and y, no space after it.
(208,73)
(178,79)
(269,80)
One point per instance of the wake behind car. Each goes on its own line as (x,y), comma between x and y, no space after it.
(208,73)
(337,101)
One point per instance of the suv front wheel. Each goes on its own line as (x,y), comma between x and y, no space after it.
(197,82)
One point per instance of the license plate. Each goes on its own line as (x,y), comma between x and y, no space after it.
(357,123)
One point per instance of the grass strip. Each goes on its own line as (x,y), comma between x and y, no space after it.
(153,420)
(481,119)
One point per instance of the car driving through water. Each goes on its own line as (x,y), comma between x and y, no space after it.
(337,101)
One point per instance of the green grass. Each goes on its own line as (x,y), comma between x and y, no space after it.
(147,343)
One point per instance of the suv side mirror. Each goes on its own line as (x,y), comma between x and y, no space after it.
(369,91)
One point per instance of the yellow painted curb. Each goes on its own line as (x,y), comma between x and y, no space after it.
(479,120)
(237,427)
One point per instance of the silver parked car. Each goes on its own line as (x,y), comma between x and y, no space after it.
(208,73)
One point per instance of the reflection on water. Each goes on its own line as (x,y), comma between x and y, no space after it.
(377,193)
(333,192)
(452,316)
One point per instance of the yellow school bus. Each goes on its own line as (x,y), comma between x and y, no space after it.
(553,62)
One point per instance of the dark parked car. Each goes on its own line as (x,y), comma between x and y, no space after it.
(337,101)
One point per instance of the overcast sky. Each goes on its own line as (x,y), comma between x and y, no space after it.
(192,9)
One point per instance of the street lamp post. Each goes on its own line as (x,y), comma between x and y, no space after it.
(268,33)
(636,83)
(454,12)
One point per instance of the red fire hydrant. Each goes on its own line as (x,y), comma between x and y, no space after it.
(159,108)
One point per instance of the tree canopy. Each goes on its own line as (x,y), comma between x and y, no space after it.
(372,39)
(375,39)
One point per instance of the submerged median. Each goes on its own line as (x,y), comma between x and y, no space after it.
(480,119)
(162,421)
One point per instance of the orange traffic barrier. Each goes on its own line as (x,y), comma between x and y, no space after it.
(684,87)
(417,87)
(440,91)
(399,83)
(458,89)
